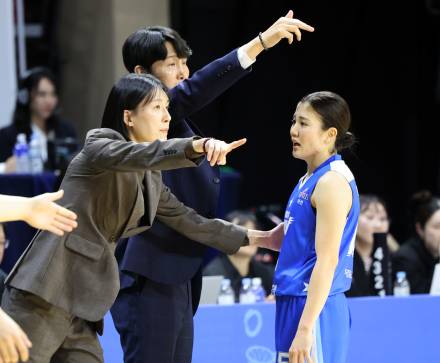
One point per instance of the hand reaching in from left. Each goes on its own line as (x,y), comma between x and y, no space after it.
(277,236)
(271,240)
(43,213)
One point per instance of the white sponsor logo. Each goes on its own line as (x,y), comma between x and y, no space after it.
(304,195)
(287,224)
(260,354)
(306,287)
(288,220)
(283,357)
(253,323)
(352,244)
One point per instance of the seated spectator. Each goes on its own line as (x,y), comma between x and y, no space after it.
(35,113)
(243,262)
(419,255)
(373,218)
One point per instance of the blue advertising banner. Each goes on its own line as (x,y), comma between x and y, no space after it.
(388,329)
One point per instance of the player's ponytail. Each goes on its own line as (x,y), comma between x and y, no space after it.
(345,141)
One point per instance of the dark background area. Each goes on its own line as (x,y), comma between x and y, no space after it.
(41,45)
(382,57)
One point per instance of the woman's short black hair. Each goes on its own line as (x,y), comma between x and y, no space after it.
(147,45)
(130,91)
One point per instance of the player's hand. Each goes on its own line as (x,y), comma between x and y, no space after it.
(299,351)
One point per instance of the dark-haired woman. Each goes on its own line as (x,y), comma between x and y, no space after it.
(419,255)
(35,114)
(315,264)
(373,218)
(61,288)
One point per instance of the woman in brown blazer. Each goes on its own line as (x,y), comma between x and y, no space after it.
(61,287)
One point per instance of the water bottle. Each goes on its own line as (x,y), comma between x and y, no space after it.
(246,294)
(35,159)
(226,296)
(21,153)
(401,286)
(258,290)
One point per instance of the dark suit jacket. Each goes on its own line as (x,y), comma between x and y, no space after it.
(162,254)
(8,137)
(116,189)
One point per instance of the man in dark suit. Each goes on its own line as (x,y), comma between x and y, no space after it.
(161,269)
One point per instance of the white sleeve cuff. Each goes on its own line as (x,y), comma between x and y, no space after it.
(2,167)
(244,59)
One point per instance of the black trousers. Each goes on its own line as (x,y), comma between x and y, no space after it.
(155,322)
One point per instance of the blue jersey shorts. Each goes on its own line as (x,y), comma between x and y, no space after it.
(331,331)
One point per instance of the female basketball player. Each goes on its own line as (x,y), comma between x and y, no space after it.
(316,257)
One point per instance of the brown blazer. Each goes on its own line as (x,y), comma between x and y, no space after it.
(116,189)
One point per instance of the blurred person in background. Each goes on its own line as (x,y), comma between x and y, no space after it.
(161,258)
(36,113)
(242,263)
(373,218)
(40,212)
(419,255)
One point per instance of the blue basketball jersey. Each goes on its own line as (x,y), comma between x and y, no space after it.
(297,255)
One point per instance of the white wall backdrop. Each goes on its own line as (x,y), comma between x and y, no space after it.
(8,82)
